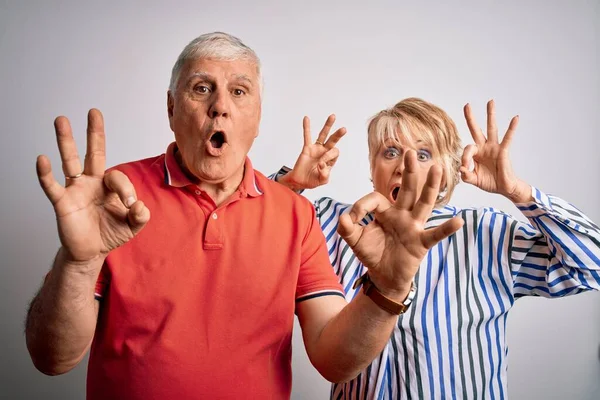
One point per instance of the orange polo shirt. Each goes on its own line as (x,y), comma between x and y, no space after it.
(200,304)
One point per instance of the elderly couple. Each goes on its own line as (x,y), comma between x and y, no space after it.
(181,273)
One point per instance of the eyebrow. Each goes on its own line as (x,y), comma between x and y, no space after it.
(207,77)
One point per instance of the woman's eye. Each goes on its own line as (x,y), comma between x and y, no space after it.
(423,155)
(391,152)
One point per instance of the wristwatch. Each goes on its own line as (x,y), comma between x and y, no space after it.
(387,304)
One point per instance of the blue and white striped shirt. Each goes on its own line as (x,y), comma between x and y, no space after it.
(451,343)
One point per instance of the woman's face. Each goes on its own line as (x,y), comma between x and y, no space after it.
(388,165)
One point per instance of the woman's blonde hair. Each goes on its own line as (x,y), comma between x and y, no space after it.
(417,119)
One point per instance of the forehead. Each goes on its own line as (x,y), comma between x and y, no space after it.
(221,70)
(405,137)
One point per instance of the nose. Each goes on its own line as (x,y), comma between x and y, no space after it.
(219,106)
(399,165)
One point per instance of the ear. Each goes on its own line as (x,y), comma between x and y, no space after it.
(170,108)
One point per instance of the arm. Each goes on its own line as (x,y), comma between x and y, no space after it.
(341,340)
(62,317)
(95,213)
(560,253)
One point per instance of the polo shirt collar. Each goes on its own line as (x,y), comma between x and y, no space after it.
(175,177)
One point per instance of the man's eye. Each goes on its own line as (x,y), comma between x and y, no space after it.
(238,92)
(201,89)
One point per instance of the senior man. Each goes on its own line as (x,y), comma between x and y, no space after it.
(182,273)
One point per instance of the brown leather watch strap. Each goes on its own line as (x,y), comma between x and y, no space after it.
(381,300)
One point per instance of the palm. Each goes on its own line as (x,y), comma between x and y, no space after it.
(90,219)
(91,215)
(395,235)
(493,170)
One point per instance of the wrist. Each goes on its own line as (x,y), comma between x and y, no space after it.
(288,181)
(66,262)
(394,301)
(521,194)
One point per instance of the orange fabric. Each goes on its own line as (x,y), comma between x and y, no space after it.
(197,306)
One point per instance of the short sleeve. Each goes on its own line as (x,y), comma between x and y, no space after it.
(316,277)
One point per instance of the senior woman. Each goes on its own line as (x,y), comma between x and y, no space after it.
(451,341)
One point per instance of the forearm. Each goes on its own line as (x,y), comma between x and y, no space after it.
(352,339)
(62,317)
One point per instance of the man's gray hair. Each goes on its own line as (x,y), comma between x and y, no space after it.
(218,46)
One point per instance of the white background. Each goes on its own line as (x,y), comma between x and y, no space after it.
(538,59)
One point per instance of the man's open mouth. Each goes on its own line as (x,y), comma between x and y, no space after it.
(217,140)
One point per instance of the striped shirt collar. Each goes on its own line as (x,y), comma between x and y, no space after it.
(175,177)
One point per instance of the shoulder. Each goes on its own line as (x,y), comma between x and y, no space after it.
(141,170)
(279,194)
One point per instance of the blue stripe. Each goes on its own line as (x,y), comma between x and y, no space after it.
(560,279)
(577,241)
(530,288)
(424,326)
(580,263)
(533,266)
(436,326)
(351,281)
(448,315)
(528,208)
(508,294)
(530,277)
(522,229)
(389,378)
(326,223)
(487,299)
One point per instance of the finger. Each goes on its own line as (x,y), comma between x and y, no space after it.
(71,165)
(374,202)
(95,155)
(326,128)
(476,133)
(468,176)
(138,216)
(429,194)
(349,229)
(431,237)
(306,129)
(330,157)
(469,152)
(333,139)
(324,172)
(492,129)
(119,183)
(53,190)
(512,127)
(408,191)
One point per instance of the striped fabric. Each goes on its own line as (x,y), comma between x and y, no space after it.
(451,342)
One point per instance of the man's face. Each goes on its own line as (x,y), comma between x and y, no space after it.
(388,166)
(215,114)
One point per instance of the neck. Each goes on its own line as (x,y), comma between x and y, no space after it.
(221,191)
(217,191)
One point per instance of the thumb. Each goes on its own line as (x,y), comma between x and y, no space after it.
(349,230)
(468,176)
(138,216)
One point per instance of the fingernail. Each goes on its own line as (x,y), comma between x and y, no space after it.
(130,200)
